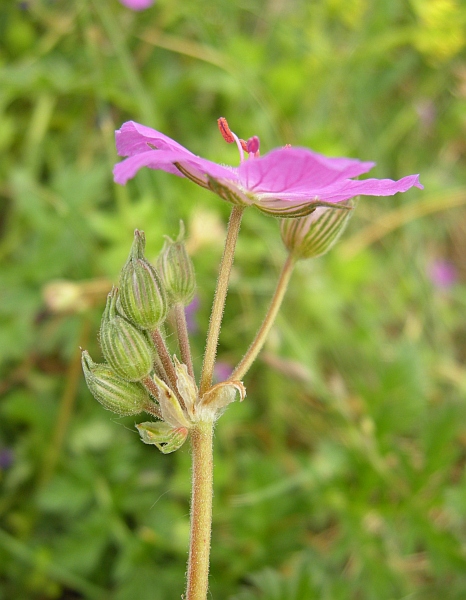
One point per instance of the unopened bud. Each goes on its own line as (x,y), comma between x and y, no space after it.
(126,348)
(142,294)
(315,234)
(113,392)
(177,270)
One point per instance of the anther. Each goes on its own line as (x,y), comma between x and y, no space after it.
(228,135)
(225,130)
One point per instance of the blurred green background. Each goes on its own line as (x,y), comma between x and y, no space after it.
(341,476)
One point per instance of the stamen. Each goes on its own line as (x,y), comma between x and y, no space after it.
(231,137)
(244,145)
(225,130)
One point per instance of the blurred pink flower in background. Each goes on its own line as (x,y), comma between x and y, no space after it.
(443,273)
(191,315)
(137,4)
(222,370)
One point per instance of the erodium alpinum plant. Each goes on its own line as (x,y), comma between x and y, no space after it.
(314,197)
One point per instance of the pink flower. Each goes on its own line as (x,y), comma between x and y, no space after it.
(443,274)
(137,4)
(286,182)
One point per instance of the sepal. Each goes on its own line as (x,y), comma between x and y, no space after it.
(172,412)
(126,348)
(186,386)
(142,293)
(162,435)
(214,401)
(314,234)
(114,393)
(177,270)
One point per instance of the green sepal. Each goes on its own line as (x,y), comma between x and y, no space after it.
(177,270)
(127,349)
(162,435)
(170,407)
(142,293)
(114,393)
(316,233)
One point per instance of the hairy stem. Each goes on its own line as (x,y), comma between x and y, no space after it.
(152,408)
(183,337)
(261,335)
(219,298)
(201,511)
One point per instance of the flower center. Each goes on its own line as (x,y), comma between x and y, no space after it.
(251,147)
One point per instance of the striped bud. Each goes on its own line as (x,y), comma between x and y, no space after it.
(113,392)
(126,348)
(314,234)
(177,270)
(142,294)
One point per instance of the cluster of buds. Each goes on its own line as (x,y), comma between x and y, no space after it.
(135,378)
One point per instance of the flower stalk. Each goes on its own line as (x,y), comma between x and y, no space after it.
(219,298)
(258,342)
(201,511)
(183,338)
(165,359)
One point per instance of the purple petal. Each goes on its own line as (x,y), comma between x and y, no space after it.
(369,187)
(194,167)
(134,138)
(340,191)
(137,4)
(297,170)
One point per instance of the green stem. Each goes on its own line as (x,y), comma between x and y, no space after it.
(219,299)
(183,337)
(150,386)
(261,335)
(201,511)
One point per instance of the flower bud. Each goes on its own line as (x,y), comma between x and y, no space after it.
(113,392)
(177,270)
(142,294)
(314,234)
(126,348)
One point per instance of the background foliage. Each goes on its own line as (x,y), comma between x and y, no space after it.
(342,474)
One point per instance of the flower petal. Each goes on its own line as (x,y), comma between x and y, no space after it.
(133,138)
(301,203)
(369,187)
(190,166)
(289,170)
